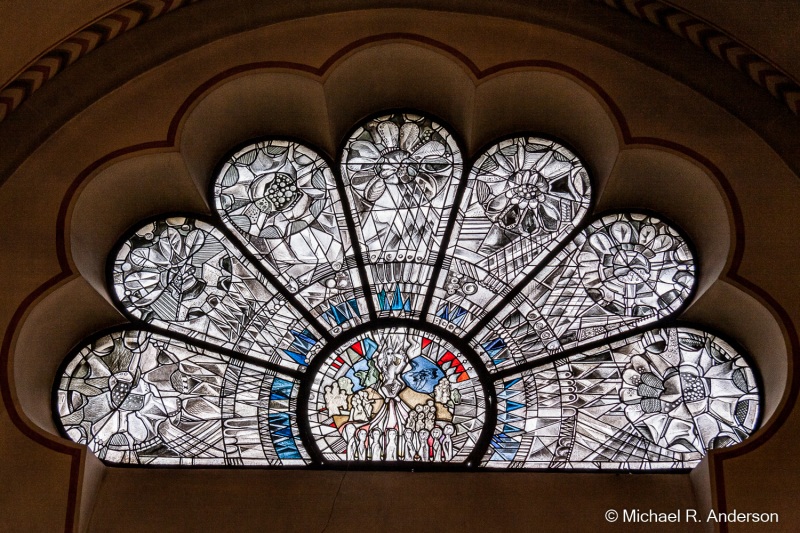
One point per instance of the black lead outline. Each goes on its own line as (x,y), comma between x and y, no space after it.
(490,414)
(584,225)
(668,322)
(217,224)
(239,240)
(460,186)
(462,343)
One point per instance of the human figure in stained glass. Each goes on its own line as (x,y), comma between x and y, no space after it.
(509,331)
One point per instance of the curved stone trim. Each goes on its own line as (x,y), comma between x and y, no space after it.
(78,45)
(701,33)
(715,41)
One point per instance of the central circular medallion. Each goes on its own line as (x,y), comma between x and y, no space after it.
(396,394)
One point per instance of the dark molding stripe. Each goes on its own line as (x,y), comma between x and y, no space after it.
(683,24)
(715,41)
(74,47)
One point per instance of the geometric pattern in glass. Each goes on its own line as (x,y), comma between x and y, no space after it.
(400,312)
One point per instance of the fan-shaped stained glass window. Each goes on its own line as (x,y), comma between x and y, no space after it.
(405,309)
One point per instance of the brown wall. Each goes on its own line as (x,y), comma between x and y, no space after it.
(136,127)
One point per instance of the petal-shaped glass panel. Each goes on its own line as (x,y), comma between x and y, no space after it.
(230,314)
(657,400)
(281,200)
(522,197)
(624,271)
(143,398)
(396,394)
(186,276)
(401,172)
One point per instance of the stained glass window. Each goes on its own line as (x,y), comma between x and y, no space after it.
(405,310)
(401,172)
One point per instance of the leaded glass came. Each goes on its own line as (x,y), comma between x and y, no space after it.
(397,310)
(396,394)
